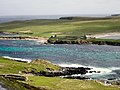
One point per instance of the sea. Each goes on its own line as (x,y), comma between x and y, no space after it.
(102,58)
(4,19)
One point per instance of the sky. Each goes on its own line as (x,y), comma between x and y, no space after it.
(58,7)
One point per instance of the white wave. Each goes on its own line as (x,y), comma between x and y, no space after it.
(71,65)
(19,59)
(103,71)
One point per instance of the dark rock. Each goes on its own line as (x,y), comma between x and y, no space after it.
(65,71)
(76,77)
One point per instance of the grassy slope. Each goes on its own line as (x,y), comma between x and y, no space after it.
(45,28)
(11,85)
(54,83)
(13,67)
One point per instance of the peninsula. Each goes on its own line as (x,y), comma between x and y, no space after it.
(66,29)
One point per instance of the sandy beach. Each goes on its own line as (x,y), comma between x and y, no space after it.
(38,39)
(106,35)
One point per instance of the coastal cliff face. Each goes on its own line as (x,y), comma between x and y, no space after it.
(105,42)
(69,42)
(77,40)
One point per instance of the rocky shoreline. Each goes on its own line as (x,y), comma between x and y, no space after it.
(64,72)
(56,40)
(78,41)
(38,39)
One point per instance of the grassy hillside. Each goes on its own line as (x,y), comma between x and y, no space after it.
(46,28)
(46,83)
(55,83)
(11,84)
(14,67)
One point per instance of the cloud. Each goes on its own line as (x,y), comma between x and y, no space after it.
(25,7)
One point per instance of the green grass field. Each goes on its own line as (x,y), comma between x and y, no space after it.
(55,83)
(46,28)
(14,67)
(48,83)
(11,84)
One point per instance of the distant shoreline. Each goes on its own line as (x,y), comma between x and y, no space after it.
(6,19)
(38,39)
(99,39)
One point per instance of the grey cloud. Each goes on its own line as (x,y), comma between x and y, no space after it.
(38,7)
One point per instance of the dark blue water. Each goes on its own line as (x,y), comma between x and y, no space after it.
(27,17)
(30,17)
(107,57)
(93,55)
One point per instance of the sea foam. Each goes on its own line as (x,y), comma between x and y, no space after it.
(103,70)
(19,59)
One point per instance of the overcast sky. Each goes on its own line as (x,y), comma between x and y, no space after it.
(58,7)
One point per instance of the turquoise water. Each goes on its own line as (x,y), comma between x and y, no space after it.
(92,55)
(88,55)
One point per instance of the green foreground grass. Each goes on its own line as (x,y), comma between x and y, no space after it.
(47,83)
(55,83)
(14,67)
(46,28)
(11,84)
